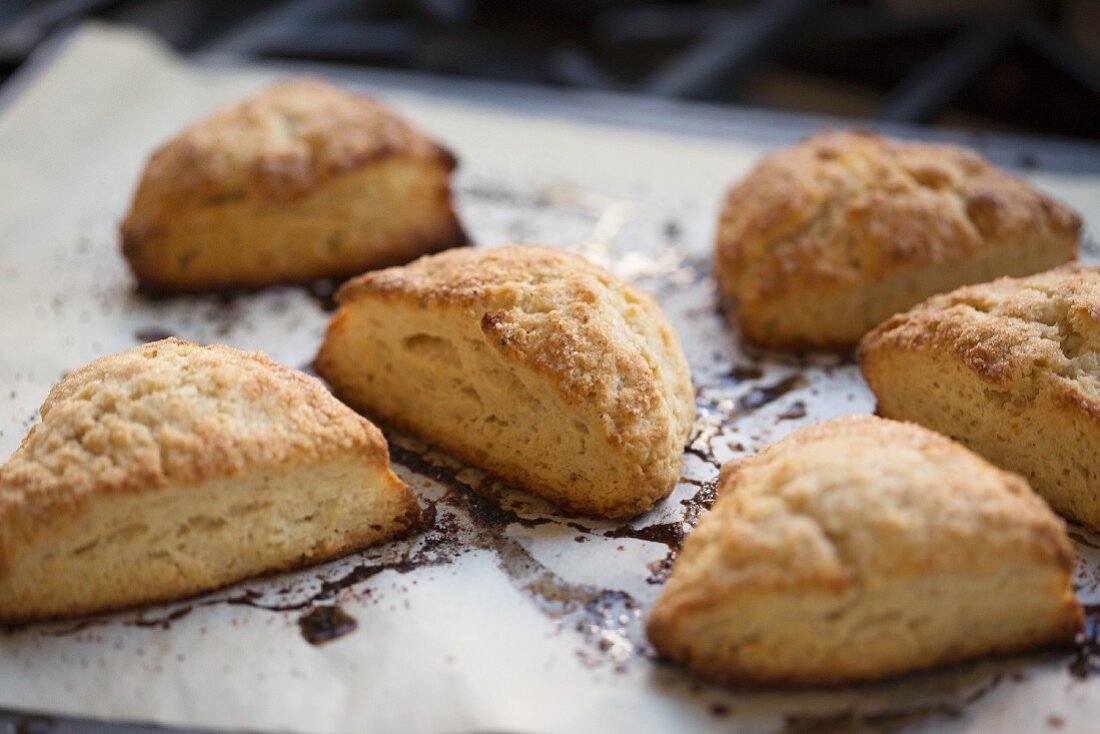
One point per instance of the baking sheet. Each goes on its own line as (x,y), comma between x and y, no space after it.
(502,616)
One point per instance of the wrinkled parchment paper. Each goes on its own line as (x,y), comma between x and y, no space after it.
(503,616)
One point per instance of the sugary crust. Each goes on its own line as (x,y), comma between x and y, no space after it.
(996,519)
(845,509)
(841,211)
(170,411)
(281,143)
(1038,335)
(1010,368)
(604,345)
(300,182)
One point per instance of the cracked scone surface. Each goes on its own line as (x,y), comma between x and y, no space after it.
(171,469)
(529,362)
(824,240)
(1009,368)
(862,548)
(301,181)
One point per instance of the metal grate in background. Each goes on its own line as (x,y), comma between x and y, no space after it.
(1009,65)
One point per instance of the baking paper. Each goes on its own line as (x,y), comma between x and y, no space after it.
(503,616)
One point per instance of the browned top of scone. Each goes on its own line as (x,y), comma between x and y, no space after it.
(281,144)
(171,411)
(602,342)
(863,501)
(848,208)
(1030,334)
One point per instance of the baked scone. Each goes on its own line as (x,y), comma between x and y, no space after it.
(1009,368)
(301,181)
(826,239)
(172,469)
(862,548)
(529,362)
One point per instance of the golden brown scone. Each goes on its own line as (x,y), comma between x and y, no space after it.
(862,548)
(529,362)
(301,181)
(826,239)
(172,469)
(1011,369)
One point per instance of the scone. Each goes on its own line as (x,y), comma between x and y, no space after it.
(302,181)
(862,548)
(171,469)
(529,362)
(1011,369)
(826,239)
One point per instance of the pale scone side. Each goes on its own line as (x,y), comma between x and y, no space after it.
(559,330)
(822,241)
(1009,368)
(301,181)
(132,433)
(859,549)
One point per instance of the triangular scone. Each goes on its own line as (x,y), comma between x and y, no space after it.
(1010,368)
(301,181)
(530,362)
(863,548)
(827,238)
(172,469)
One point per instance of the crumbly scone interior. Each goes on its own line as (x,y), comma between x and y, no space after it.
(181,539)
(1014,354)
(385,213)
(826,637)
(467,393)
(528,362)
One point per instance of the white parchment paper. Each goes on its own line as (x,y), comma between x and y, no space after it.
(503,616)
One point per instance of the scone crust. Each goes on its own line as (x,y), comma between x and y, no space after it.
(279,153)
(1028,346)
(843,210)
(808,515)
(577,326)
(281,143)
(1038,335)
(171,411)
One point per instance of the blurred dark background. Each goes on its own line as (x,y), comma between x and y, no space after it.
(1030,66)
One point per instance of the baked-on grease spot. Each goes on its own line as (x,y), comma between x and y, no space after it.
(33,724)
(323,293)
(223,312)
(890,720)
(609,620)
(760,396)
(794,411)
(1082,539)
(716,414)
(152,334)
(698,503)
(668,533)
(1086,656)
(701,501)
(165,621)
(745,372)
(326,623)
